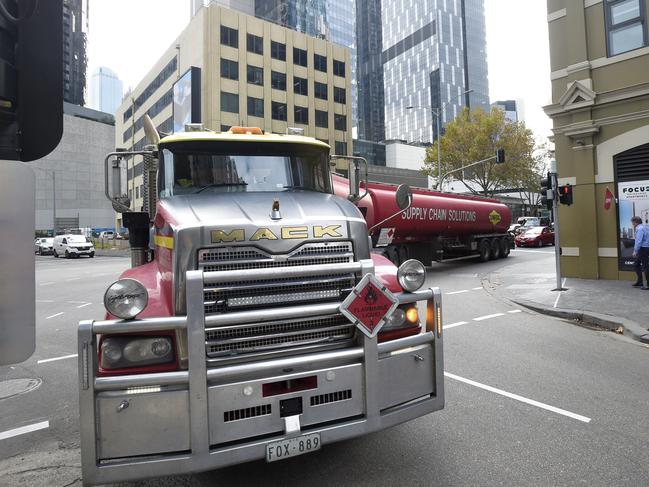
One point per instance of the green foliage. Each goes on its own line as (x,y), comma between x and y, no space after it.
(475,136)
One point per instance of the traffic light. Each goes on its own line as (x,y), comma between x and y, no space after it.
(500,156)
(31,78)
(565,194)
(547,197)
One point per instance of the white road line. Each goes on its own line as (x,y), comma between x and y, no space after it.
(46,283)
(54,316)
(556,301)
(452,325)
(24,429)
(77,302)
(486,317)
(477,288)
(83,305)
(512,311)
(74,355)
(516,397)
(73,279)
(44,300)
(535,251)
(458,292)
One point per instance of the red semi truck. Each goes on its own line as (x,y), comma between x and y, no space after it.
(248,327)
(437,226)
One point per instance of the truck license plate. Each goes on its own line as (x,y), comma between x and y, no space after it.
(292,447)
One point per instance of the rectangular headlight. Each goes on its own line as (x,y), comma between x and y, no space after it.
(135,351)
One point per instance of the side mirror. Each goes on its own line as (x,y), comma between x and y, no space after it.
(403,196)
(354,182)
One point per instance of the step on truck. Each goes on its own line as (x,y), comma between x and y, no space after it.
(255,322)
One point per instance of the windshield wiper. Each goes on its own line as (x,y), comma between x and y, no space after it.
(219,185)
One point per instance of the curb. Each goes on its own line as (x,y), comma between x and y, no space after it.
(631,328)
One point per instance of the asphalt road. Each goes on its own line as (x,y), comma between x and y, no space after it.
(530,400)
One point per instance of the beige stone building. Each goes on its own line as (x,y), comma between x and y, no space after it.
(599,55)
(252,73)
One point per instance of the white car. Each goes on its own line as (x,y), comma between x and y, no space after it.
(43,245)
(73,246)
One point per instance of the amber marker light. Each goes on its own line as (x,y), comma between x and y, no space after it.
(412,315)
(439,320)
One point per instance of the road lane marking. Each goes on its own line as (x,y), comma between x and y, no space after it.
(486,317)
(556,301)
(458,292)
(477,288)
(73,279)
(516,397)
(77,302)
(83,305)
(54,316)
(24,429)
(459,323)
(535,251)
(44,300)
(74,355)
(46,283)
(512,311)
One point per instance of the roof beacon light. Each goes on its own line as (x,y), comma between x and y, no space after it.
(246,130)
(194,127)
(294,131)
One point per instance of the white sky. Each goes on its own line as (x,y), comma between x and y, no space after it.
(128,36)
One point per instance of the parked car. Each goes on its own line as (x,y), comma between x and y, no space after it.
(43,245)
(513,228)
(535,237)
(73,246)
(107,234)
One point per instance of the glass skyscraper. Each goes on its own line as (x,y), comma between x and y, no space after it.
(106,90)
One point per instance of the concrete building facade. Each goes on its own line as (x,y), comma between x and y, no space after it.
(70,180)
(75,59)
(599,55)
(253,73)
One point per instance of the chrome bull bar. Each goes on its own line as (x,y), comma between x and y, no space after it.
(200,455)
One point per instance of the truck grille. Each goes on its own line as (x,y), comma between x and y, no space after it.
(241,342)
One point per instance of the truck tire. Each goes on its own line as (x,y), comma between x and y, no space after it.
(485,250)
(495,248)
(504,248)
(56,256)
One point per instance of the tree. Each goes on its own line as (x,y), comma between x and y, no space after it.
(476,135)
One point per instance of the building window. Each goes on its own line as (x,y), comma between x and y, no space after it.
(320,90)
(255,107)
(341,148)
(626,25)
(320,62)
(340,122)
(300,86)
(278,50)
(299,57)
(229,37)
(301,115)
(229,102)
(255,44)
(339,95)
(255,75)
(321,119)
(278,80)
(339,68)
(229,69)
(278,111)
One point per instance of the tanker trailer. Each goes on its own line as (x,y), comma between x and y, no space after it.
(437,226)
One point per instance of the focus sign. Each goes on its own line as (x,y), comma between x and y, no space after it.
(369,305)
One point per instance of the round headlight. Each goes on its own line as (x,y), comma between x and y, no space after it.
(126,298)
(411,275)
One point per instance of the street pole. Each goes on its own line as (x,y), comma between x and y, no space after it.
(555,218)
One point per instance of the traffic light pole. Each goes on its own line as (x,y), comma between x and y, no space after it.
(557,241)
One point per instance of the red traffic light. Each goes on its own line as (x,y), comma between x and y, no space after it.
(565,194)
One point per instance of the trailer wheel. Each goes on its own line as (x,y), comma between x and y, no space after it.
(504,248)
(485,250)
(495,248)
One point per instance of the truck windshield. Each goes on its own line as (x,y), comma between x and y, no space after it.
(198,167)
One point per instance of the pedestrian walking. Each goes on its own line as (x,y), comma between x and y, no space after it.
(641,252)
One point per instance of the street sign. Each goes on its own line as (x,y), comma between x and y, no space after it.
(368,305)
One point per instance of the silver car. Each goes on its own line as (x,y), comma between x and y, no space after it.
(43,245)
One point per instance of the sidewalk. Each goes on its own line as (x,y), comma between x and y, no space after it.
(610,304)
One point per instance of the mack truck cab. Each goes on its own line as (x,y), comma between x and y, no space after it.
(255,323)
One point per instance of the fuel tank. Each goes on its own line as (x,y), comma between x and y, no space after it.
(432,213)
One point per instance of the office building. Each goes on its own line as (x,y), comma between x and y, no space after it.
(75,37)
(70,180)
(599,58)
(252,72)
(106,90)
(511,109)
(430,60)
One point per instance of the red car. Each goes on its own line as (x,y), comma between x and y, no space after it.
(535,237)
